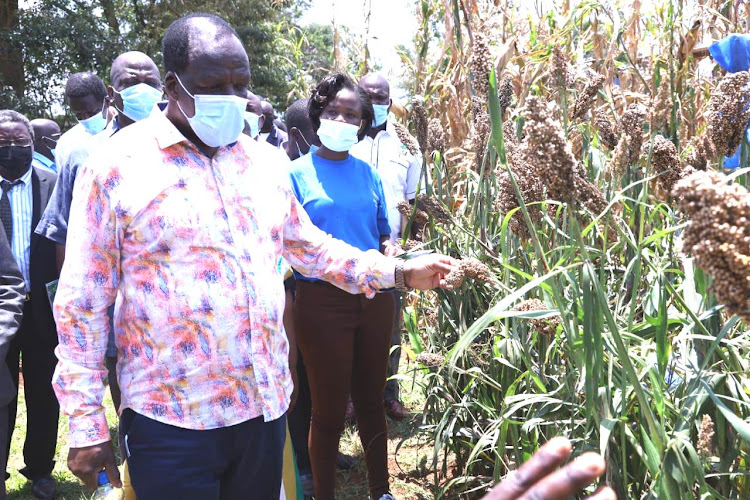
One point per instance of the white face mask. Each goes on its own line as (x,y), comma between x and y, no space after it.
(218,119)
(381,114)
(338,136)
(94,124)
(253,121)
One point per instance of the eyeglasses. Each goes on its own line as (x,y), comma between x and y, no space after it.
(51,141)
(24,143)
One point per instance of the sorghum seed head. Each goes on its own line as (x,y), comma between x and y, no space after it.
(505,92)
(545,326)
(406,138)
(705,437)
(481,63)
(661,106)
(729,112)
(435,135)
(434,208)
(606,130)
(419,118)
(430,360)
(666,163)
(548,150)
(587,96)
(718,235)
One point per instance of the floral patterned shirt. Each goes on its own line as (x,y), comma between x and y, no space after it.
(187,247)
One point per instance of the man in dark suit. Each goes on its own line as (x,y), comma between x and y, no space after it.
(25,192)
(11,308)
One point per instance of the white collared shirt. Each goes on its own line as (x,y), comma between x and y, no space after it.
(399,170)
(22,207)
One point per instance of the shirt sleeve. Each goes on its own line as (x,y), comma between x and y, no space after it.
(88,285)
(54,222)
(384,228)
(318,255)
(413,176)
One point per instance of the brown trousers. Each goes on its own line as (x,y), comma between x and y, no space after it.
(344,340)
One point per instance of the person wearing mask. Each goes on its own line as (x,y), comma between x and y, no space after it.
(180,219)
(85,94)
(25,192)
(46,135)
(343,338)
(401,173)
(302,137)
(304,140)
(254,117)
(268,130)
(12,296)
(134,91)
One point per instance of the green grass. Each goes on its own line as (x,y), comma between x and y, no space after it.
(68,486)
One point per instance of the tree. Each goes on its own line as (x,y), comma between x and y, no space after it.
(55,38)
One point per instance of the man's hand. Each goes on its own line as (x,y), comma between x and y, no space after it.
(86,463)
(427,272)
(540,478)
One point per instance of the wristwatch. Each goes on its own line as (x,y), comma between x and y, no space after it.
(399,276)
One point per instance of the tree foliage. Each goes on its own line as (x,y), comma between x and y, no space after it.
(58,37)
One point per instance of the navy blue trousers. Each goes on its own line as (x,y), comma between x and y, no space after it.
(241,462)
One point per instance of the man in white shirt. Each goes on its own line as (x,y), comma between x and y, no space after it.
(85,94)
(401,174)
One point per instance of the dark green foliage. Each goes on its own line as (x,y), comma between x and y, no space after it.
(60,37)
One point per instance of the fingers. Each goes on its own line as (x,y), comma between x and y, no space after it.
(113,473)
(549,457)
(569,480)
(605,493)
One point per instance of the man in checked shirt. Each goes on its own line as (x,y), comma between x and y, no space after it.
(181,222)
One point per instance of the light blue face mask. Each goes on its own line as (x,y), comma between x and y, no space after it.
(338,136)
(94,124)
(218,119)
(381,114)
(253,121)
(52,152)
(138,101)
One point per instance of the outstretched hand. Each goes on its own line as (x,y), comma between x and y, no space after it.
(540,478)
(427,272)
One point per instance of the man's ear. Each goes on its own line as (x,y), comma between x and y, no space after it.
(261,121)
(170,86)
(390,104)
(110,94)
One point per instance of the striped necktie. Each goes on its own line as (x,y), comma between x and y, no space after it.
(6,215)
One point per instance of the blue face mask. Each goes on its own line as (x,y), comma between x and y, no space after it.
(253,121)
(218,119)
(338,136)
(94,124)
(381,114)
(139,100)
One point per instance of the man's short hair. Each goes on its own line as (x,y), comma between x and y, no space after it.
(297,116)
(84,84)
(176,43)
(10,116)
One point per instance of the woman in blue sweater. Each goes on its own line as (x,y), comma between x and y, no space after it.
(344,338)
